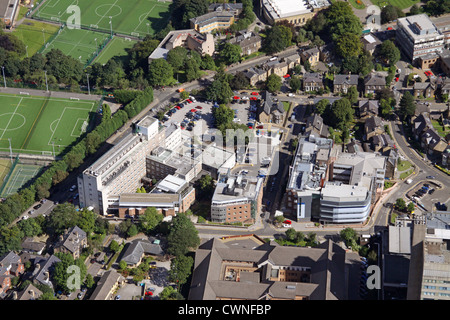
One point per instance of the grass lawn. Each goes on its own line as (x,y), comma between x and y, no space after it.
(38,124)
(286,106)
(136,18)
(357,5)
(403,165)
(439,128)
(30,32)
(402,4)
(116,47)
(406,174)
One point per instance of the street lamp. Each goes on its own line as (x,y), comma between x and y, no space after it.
(26,49)
(43,35)
(4,79)
(46,82)
(110,25)
(89,89)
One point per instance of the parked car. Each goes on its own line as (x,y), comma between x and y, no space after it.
(431,191)
(431,177)
(72,188)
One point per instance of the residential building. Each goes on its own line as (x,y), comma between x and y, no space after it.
(137,249)
(30,246)
(270,110)
(374,82)
(418,36)
(10,266)
(280,68)
(121,169)
(370,43)
(430,140)
(189,39)
(297,12)
(247,268)
(43,267)
(381,143)
(8,12)
(373,126)
(311,55)
(256,75)
(248,41)
(343,82)
(368,108)
(29,293)
(292,60)
(216,20)
(107,285)
(424,89)
(72,242)
(312,82)
(237,198)
(315,126)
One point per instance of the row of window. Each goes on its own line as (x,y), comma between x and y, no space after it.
(434,288)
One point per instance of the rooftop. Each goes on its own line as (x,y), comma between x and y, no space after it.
(336,191)
(419,26)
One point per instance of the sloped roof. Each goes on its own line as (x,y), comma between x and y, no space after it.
(139,247)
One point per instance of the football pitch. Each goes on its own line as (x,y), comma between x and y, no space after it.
(83,45)
(136,17)
(42,125)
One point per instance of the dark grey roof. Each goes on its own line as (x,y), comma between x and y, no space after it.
(42,266)
(372,123)
(368,106)
(137,248)
(350,79)
(313,77)
(269,105)
(375,79)
(72,240)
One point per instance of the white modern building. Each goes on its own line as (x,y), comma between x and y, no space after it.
(297,12)
(119,170)
(418,36)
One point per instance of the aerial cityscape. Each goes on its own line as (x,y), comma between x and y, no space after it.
(198,150)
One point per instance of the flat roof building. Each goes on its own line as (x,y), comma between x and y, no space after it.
(418,36)
(297,12)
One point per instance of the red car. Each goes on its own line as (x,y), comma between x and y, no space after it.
(193,110)
(389,28)
(253,98)
(178,107)
(260,127)
(396,79)
(255,94)
(189,101)
(198,107)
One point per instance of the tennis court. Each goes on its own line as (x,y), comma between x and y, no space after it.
(83,45)
(21,174)
(136,18)
(42,125)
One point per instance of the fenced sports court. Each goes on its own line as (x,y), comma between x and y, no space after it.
(21,172)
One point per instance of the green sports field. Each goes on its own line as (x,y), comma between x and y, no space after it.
(402,4)
(41,125)
(116,47)
(136,18)
(35,34)
(83,45)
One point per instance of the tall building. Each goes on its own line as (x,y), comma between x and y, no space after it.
(419,37)
(121,169)
(8,11)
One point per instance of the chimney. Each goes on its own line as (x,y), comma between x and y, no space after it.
(14,295)
(31,292)
(46,276)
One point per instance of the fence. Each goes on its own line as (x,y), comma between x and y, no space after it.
(5,181)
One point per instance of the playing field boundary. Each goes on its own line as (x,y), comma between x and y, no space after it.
(36,120)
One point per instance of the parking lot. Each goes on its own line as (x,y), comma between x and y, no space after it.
(429,193)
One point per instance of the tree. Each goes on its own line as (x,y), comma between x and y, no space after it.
(89,281)
(348,45)
(400,204)
(352,95)
(132,231)
(348,234)
(205,186)
(277,39)
(191,69)
(407,105)
(219,91)
(386,107)
(180,269)
(341,113)
(390,13)
(114,246)
(169,293)
(176,57)
(295,83)
(273,83)
(291,234)
(390,52)
(92,141)
(322,106)
(239,81)
(63,216)
(208,63)
(150,220)
(411,207)
(183,236)
(230,53)
(160,72)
